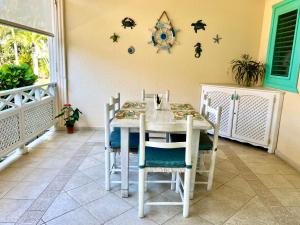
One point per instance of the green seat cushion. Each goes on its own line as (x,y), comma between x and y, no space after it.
(205,142)
(169,158)
(115,139)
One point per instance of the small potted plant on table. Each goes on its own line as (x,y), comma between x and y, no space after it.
(70,117)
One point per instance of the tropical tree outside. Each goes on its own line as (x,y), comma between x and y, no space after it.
(20,47)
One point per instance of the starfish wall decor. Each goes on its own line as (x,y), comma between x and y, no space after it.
(115,37)
(217,39)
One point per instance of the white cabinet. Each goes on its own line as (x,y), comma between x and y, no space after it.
(248,114)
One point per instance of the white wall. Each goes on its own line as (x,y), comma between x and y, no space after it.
(98,68)
(288,141)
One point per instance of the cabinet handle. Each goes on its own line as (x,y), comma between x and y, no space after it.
(232,97)
(237,97)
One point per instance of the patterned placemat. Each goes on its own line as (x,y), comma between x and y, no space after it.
(181,115)
(129,114)
(134,105)
(180,107)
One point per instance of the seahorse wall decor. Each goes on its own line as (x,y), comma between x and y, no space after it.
(198,50)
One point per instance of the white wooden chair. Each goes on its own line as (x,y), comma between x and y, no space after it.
(166,95)
(165,157)
(208,145)
(113,141)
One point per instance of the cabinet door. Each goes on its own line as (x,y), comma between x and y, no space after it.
(253,116)
(222,97)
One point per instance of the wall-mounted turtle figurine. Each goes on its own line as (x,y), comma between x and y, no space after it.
(217,39)
(198,50)
(128,22)
(131,50)
(115,37)
(199,25)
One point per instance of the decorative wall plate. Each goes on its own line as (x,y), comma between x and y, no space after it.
(163,34)
(131,50)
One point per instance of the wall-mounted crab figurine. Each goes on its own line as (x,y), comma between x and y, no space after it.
(198,50)
(128,22)
(199,25)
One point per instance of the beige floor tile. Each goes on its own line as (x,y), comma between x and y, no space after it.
(79,216)
(287,196)
(26,161)
(274,181)
(161,214)
(130,218)
(227,166)
(88,193)
(41,175)
(153,191)
(26,190)
(14,174)
(6,186)
(240,184)
(294,180)
(254,212)
(107,208)
(295,211)
(95,173)
(53,163)
(88,163)
(77,180)
(233,197)
(214,211)
(11,210)
(191,220)
(61,205)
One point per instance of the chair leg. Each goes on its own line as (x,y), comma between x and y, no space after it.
(107,169)
(173,181)
(145,182)
(113,160)
(177,182)
(201,161)
(211,170)
(186,192)
(141,192)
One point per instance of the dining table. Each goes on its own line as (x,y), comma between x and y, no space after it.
(127,119)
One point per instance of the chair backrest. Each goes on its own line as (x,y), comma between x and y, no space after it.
(165,95)
(116,101)
(110,110)
(206,103)
(151,127)
(215,122)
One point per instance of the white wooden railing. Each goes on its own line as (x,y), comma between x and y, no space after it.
(24,114)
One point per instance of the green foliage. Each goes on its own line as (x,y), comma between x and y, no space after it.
(246,71)
(70,115)
(14,76)
(19,46)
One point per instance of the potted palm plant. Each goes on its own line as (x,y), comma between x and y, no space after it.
(70,117)
(246,71)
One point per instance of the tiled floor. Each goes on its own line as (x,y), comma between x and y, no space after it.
(61,182)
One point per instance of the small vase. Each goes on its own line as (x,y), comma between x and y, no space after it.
(70,130)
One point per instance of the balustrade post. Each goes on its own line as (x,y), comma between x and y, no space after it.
(37,94)
(18,101)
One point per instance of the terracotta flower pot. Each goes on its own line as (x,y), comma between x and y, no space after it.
(70,130)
